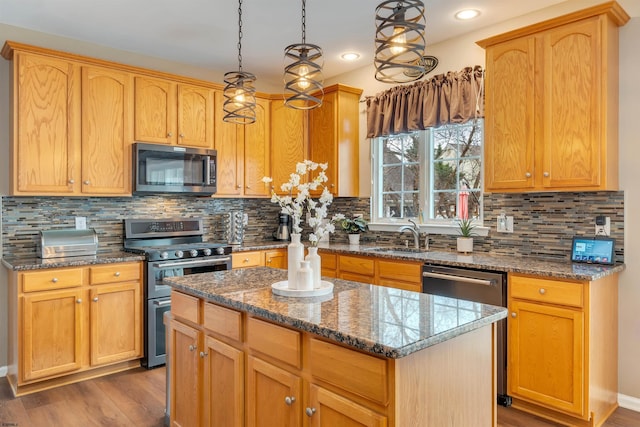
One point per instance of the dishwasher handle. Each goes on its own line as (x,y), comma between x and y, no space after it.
(457,278)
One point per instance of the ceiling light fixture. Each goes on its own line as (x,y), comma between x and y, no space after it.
(350,56)
(400,41)
(467,14)
(239,93)
(303,75)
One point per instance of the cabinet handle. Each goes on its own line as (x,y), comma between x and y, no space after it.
(542,291)
(54,280)
(527,175)
(289,400)
(192,347)
(513,314)
(203,354)
(546,174)
(95,299)
(310,411)
(87,182)
(72,181)
(170,134)
(117,274)
(79,300)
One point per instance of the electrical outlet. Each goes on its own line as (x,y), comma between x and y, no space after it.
(603,226)
(504,224)
(245,219)
(81,223)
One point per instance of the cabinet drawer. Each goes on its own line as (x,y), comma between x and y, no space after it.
(247,259)
(223,321)
(52,279)
(275,341)
(358,373)
(111,273)
(329,261)
(546,290)
(359,265)
(185,306)
(407,272)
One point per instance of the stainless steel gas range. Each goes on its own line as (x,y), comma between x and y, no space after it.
(172,247)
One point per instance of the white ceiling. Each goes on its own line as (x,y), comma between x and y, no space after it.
(204,33)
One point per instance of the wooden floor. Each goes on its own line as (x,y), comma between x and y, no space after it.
(136,398)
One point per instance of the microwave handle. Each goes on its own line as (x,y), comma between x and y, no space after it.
(207,170)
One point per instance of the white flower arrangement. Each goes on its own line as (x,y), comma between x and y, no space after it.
(296,206)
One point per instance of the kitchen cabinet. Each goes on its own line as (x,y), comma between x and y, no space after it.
(405,275)
(551,112)
(276,258)
(243,152)
(186,387)
(328,263)
(334,138)
(72,323)
(288,142)
(562,355)
(398,274)
(335,410)
(168,112)
(356,268)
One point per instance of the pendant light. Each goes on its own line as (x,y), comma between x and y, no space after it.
(239,93)
(303,74)
(400,41)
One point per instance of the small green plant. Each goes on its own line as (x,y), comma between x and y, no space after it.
(353,225)
(466,227)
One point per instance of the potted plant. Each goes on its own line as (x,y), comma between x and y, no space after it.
(465,241)
(353,226)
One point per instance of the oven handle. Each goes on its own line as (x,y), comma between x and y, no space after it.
(457,278)
(194,263)
(162,303)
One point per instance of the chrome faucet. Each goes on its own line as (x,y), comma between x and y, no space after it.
(415,230)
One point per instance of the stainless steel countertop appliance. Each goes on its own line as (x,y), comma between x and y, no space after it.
(474,286)
(66,243)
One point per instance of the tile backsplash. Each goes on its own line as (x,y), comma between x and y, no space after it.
(544,223)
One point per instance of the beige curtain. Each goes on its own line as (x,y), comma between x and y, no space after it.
(454,97)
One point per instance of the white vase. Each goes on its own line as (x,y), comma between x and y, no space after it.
(304,279)
(295,254)
(465,244)
(354,239)
(316,269)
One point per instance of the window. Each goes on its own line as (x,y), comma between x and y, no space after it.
(431,176)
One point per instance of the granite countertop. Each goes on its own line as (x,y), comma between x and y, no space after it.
(384,321)
(34,263)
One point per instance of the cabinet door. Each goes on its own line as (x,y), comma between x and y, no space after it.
(230,153)
(288,144)
(195,116)
(322,137)
(47,123)
(155,110)
(274,396)
(223,401)
(257,153)
(276,258)
(329,409)
(185,389)
(116,323)
(107,131)
(572,94)
(546,353)
(51,333)
(510,115)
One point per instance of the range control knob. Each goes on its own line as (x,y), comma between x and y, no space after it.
(206,251)
(164,255)
(193,253)
(220,250)
(179,254)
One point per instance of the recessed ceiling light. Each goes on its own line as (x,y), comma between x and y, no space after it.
(350,56)
(467,14)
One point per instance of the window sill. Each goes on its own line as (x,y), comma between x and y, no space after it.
(443,229)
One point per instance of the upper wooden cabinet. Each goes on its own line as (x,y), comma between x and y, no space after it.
(551,113)
(167,112)
(334,138)
(244,155)
(288,141)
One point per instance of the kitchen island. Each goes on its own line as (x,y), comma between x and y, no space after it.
(362,355)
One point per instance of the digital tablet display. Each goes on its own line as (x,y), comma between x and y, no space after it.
(593,250)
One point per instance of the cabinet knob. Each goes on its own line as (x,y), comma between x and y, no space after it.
(182,135)
(289,400)
(248,186)
(513,314)
(269,261)
(545,174)
(203,354)
(542,291)
(527,175)
(332,185)
(95,299)
(117,274)
(238,186)
(54,280)
(87,182)
(192,347)
(170,134)
(79,301)
(72,181)
(246,260)
(310,411)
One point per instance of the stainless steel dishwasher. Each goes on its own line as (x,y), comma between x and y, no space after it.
(486,287)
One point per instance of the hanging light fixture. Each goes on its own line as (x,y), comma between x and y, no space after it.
(239,93)
(303,75)
(400,41)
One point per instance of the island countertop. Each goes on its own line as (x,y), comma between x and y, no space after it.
(385,321)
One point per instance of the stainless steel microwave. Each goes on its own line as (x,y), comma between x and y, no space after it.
(169,169)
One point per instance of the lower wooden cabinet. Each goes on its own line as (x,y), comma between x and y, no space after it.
(276,258)
(223,388)
(72,323)
(186,387)
(329,409)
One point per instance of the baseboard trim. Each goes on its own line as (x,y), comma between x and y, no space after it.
(3,371)
(629,402)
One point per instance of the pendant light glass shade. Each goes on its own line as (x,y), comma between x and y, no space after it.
(400,41)
(239,91)
(303,78)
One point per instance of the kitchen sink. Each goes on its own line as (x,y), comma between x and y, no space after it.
(388,249)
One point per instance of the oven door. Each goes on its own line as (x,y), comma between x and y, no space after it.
(157,271)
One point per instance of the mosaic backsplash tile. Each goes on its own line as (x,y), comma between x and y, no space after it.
(544,223)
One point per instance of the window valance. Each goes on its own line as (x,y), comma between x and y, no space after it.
(454,97)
